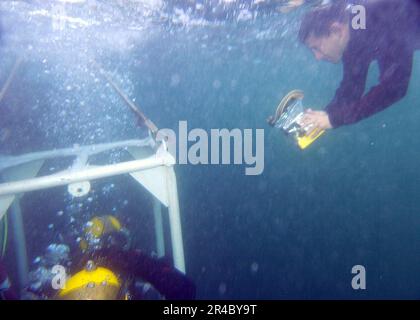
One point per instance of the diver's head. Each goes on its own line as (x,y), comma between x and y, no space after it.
(326,31)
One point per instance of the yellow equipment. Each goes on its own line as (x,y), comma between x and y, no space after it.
(92,283)
(287,117)
(98,227)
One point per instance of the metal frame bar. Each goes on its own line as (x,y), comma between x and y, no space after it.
(86,173)
(76,151)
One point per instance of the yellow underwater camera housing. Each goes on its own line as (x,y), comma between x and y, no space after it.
(287,117)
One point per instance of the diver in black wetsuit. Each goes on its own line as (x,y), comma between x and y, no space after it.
(391,37)
(109,269)
(137,270)
(168,281)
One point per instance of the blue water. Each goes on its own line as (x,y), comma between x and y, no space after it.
(295,231)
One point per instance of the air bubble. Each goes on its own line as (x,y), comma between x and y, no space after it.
(222,288)
(254,267)
(217,84)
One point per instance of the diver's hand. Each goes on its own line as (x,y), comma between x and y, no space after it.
(318,120)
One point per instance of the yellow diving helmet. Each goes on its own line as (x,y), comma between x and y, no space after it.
(92,283)
(98,227)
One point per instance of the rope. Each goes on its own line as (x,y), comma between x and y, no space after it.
(149,123)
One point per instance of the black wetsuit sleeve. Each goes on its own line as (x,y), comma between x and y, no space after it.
(170,282)
(351,89)
(389,39)
(395,68)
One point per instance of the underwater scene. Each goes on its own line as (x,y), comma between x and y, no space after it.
(209,149)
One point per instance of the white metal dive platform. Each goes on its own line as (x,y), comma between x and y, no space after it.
(152,167)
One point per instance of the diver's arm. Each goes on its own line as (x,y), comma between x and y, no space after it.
(350,90)
(396,66)
(170,282)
